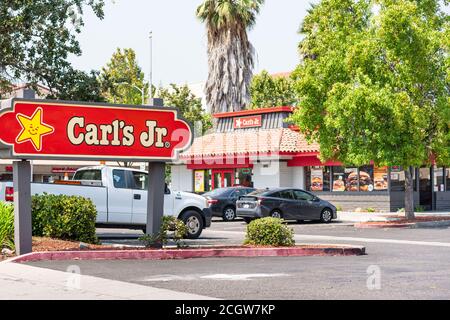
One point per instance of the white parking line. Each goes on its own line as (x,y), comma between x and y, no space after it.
(217,277)
(355,239)
(373,240)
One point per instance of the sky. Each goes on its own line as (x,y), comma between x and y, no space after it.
(179,38)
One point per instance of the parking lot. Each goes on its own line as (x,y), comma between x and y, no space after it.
(400,264)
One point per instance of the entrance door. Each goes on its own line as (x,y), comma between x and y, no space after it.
(425,188)
(222,179)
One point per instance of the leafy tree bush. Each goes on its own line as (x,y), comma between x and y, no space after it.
(177,227)
(36,39)
(64,217)
(6,226)
(122,79)
(268,91)
(269,232)
(189,105)
(373,83)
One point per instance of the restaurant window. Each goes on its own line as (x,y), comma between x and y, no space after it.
(6,177)
(202,181)
(439,183)
(244,177)
(447,178)
(318,178)
(366,183)
(351,179)
(398,179)
(363,179)
(380,179)
(338,179)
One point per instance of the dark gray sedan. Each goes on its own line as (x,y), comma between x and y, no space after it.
(222,202)
(286,203)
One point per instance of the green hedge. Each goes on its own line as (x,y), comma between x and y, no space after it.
(269,232)
(6,226)
(64,217)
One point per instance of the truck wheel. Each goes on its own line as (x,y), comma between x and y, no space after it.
(194,223)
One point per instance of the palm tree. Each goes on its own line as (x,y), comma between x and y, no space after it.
(230,53)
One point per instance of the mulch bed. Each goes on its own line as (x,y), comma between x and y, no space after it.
(48,244)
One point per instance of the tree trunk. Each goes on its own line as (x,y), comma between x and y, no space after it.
(409,194)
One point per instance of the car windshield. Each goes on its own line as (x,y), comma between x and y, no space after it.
(219,192)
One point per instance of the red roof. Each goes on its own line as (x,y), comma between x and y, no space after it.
(253,112)
(275,141)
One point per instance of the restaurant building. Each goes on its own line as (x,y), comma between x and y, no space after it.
(260,148)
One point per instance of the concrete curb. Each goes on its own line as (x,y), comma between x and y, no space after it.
(412,225)
(167,254)
(381,225)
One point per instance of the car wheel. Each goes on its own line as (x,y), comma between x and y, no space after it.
(276,214)
(229,214)
(326,216)
(248,220)
(194,223)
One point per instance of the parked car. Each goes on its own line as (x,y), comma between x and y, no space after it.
(286,203)
(222,201)
(120,196)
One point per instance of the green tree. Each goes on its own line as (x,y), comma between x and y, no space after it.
(268,91)
(190,108)
(189,105)
(122,79)
(373,83)
(79,86)
(36,37)
(230,53)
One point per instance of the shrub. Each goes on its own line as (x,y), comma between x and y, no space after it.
(169,224)
(269,232)
(64,217)
(6,226)
(371,210)
(419,209)
(338,207)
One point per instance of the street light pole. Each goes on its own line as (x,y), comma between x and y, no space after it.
(151,67)
(142,91)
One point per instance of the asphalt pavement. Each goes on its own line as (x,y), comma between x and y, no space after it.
(400,264)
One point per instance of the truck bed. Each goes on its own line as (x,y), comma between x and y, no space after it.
(98,195)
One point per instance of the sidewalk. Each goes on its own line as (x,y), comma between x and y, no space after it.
(346,216)
(23,282)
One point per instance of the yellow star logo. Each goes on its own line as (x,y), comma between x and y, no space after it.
(33,129)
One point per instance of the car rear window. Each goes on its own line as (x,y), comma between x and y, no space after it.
(88,175)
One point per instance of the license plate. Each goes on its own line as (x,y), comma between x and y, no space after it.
(246,206)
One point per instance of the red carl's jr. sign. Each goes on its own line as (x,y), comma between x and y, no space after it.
(247,122)
(54,129)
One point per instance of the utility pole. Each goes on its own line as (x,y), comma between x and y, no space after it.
(151,68)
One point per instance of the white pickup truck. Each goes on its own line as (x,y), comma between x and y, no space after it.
(120,195)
